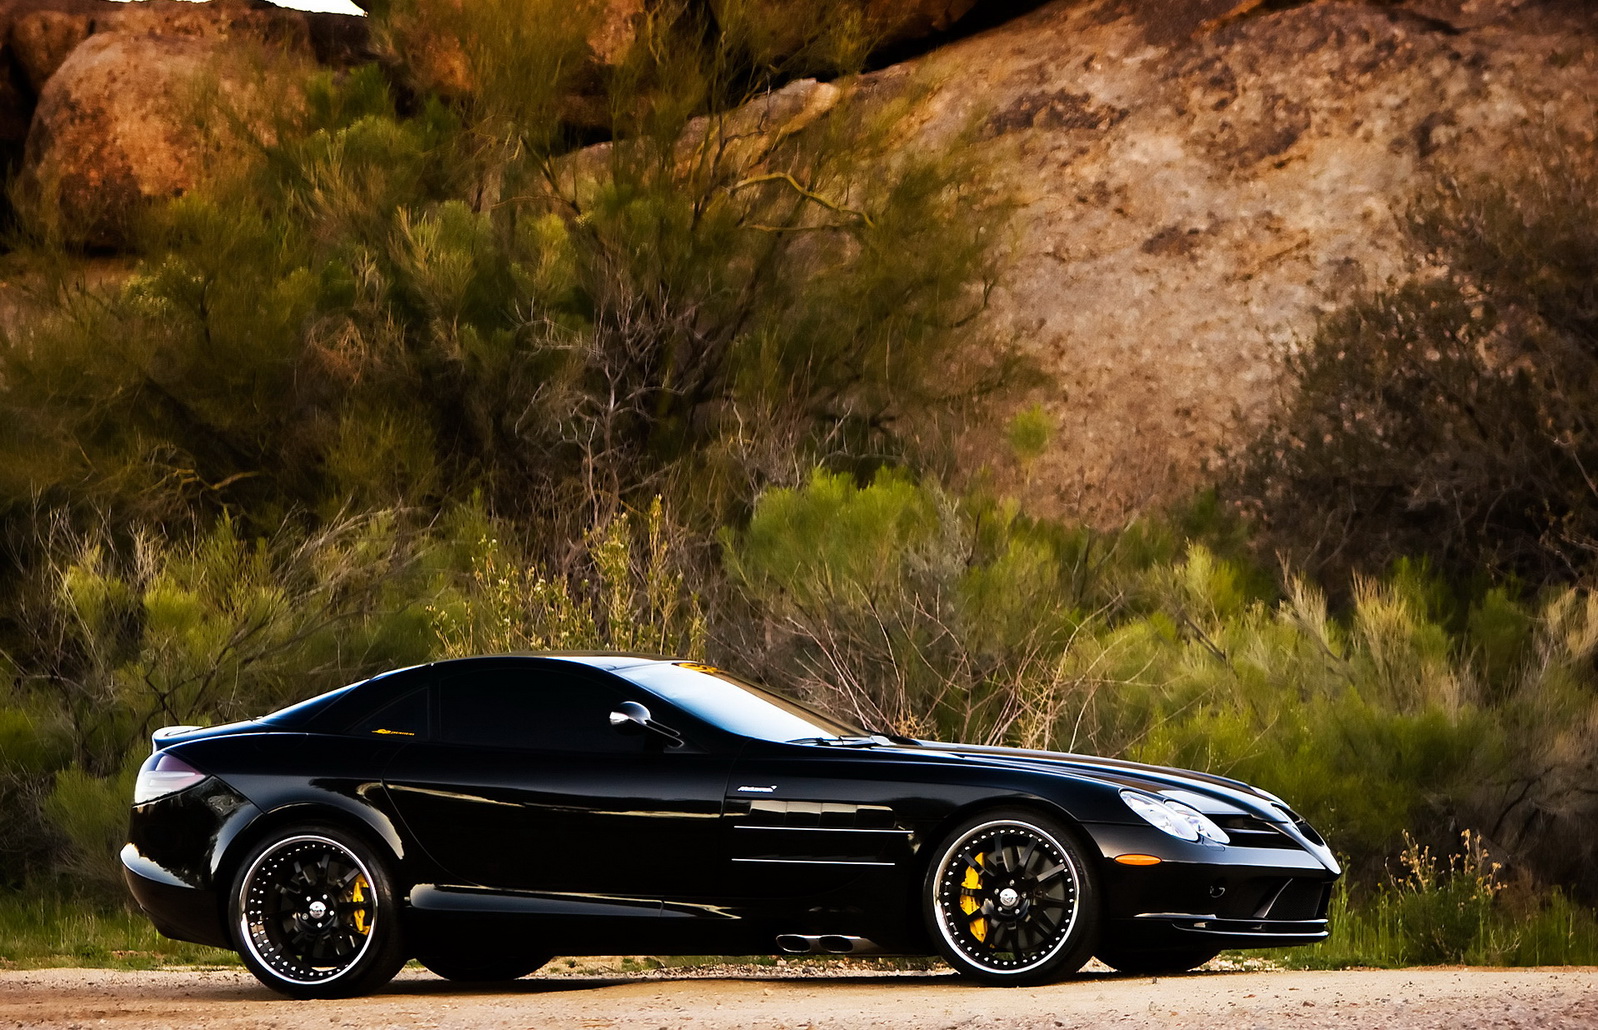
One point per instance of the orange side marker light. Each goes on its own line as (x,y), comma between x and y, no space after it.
(1137,860)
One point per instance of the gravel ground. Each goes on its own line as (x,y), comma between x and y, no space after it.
(1455,999)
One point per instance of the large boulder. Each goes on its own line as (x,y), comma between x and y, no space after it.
(42,33)
(36,36)
(114,87)
(119,125)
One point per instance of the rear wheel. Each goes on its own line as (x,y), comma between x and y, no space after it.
(482,968)
(1011,899)
(315,915)
(1177,959)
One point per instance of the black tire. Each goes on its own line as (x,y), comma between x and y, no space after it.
(482,968)
(315,914)
(1149,961)
(1010,898)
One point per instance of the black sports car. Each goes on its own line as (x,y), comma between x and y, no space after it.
(485,814)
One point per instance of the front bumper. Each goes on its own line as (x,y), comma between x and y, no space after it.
(1232,897)
(1157,930)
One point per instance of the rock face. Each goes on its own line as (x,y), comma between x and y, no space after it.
(1195,181)
(1195,190)
(41,40)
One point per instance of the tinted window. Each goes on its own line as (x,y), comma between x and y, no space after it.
(403,717)
(530,708)
(723,700)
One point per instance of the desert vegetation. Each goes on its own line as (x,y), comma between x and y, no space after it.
(663,357)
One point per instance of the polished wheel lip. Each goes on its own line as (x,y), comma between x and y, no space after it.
(944,915)
(247,939)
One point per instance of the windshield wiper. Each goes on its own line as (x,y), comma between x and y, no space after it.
(875,739)
(838,741)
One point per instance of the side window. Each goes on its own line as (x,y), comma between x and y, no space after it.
(403,717)
(530,708)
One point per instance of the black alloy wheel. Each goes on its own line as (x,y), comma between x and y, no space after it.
(315,915)
(1011,900)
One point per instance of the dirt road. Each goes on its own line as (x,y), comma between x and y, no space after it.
(1446,999)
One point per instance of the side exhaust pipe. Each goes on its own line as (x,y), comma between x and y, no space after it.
(825,944)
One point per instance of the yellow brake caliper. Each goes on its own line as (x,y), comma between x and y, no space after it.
(969,903)
(358,898)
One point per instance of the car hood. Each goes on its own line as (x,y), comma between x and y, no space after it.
(1206,792)
(1212,795)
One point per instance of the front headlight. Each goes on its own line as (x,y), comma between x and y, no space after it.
(1173,817)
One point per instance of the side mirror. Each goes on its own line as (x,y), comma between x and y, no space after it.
(632,717)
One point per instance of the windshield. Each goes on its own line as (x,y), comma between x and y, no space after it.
(729,703)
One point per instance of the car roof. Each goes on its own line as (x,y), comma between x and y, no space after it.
(606,660)
(365,693)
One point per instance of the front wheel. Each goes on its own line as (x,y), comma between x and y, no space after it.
(1011,899)
(315,914)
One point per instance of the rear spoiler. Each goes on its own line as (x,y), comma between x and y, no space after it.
(167,732)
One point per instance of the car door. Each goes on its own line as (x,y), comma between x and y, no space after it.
(525,785)
(809,819)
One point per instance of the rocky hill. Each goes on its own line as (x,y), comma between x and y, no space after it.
(1195,181)
(1199,182)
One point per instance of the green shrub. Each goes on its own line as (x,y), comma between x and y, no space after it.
(34,746)
(628,594)
(1445,912)
(116,638)
(893,602)
(91,812)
